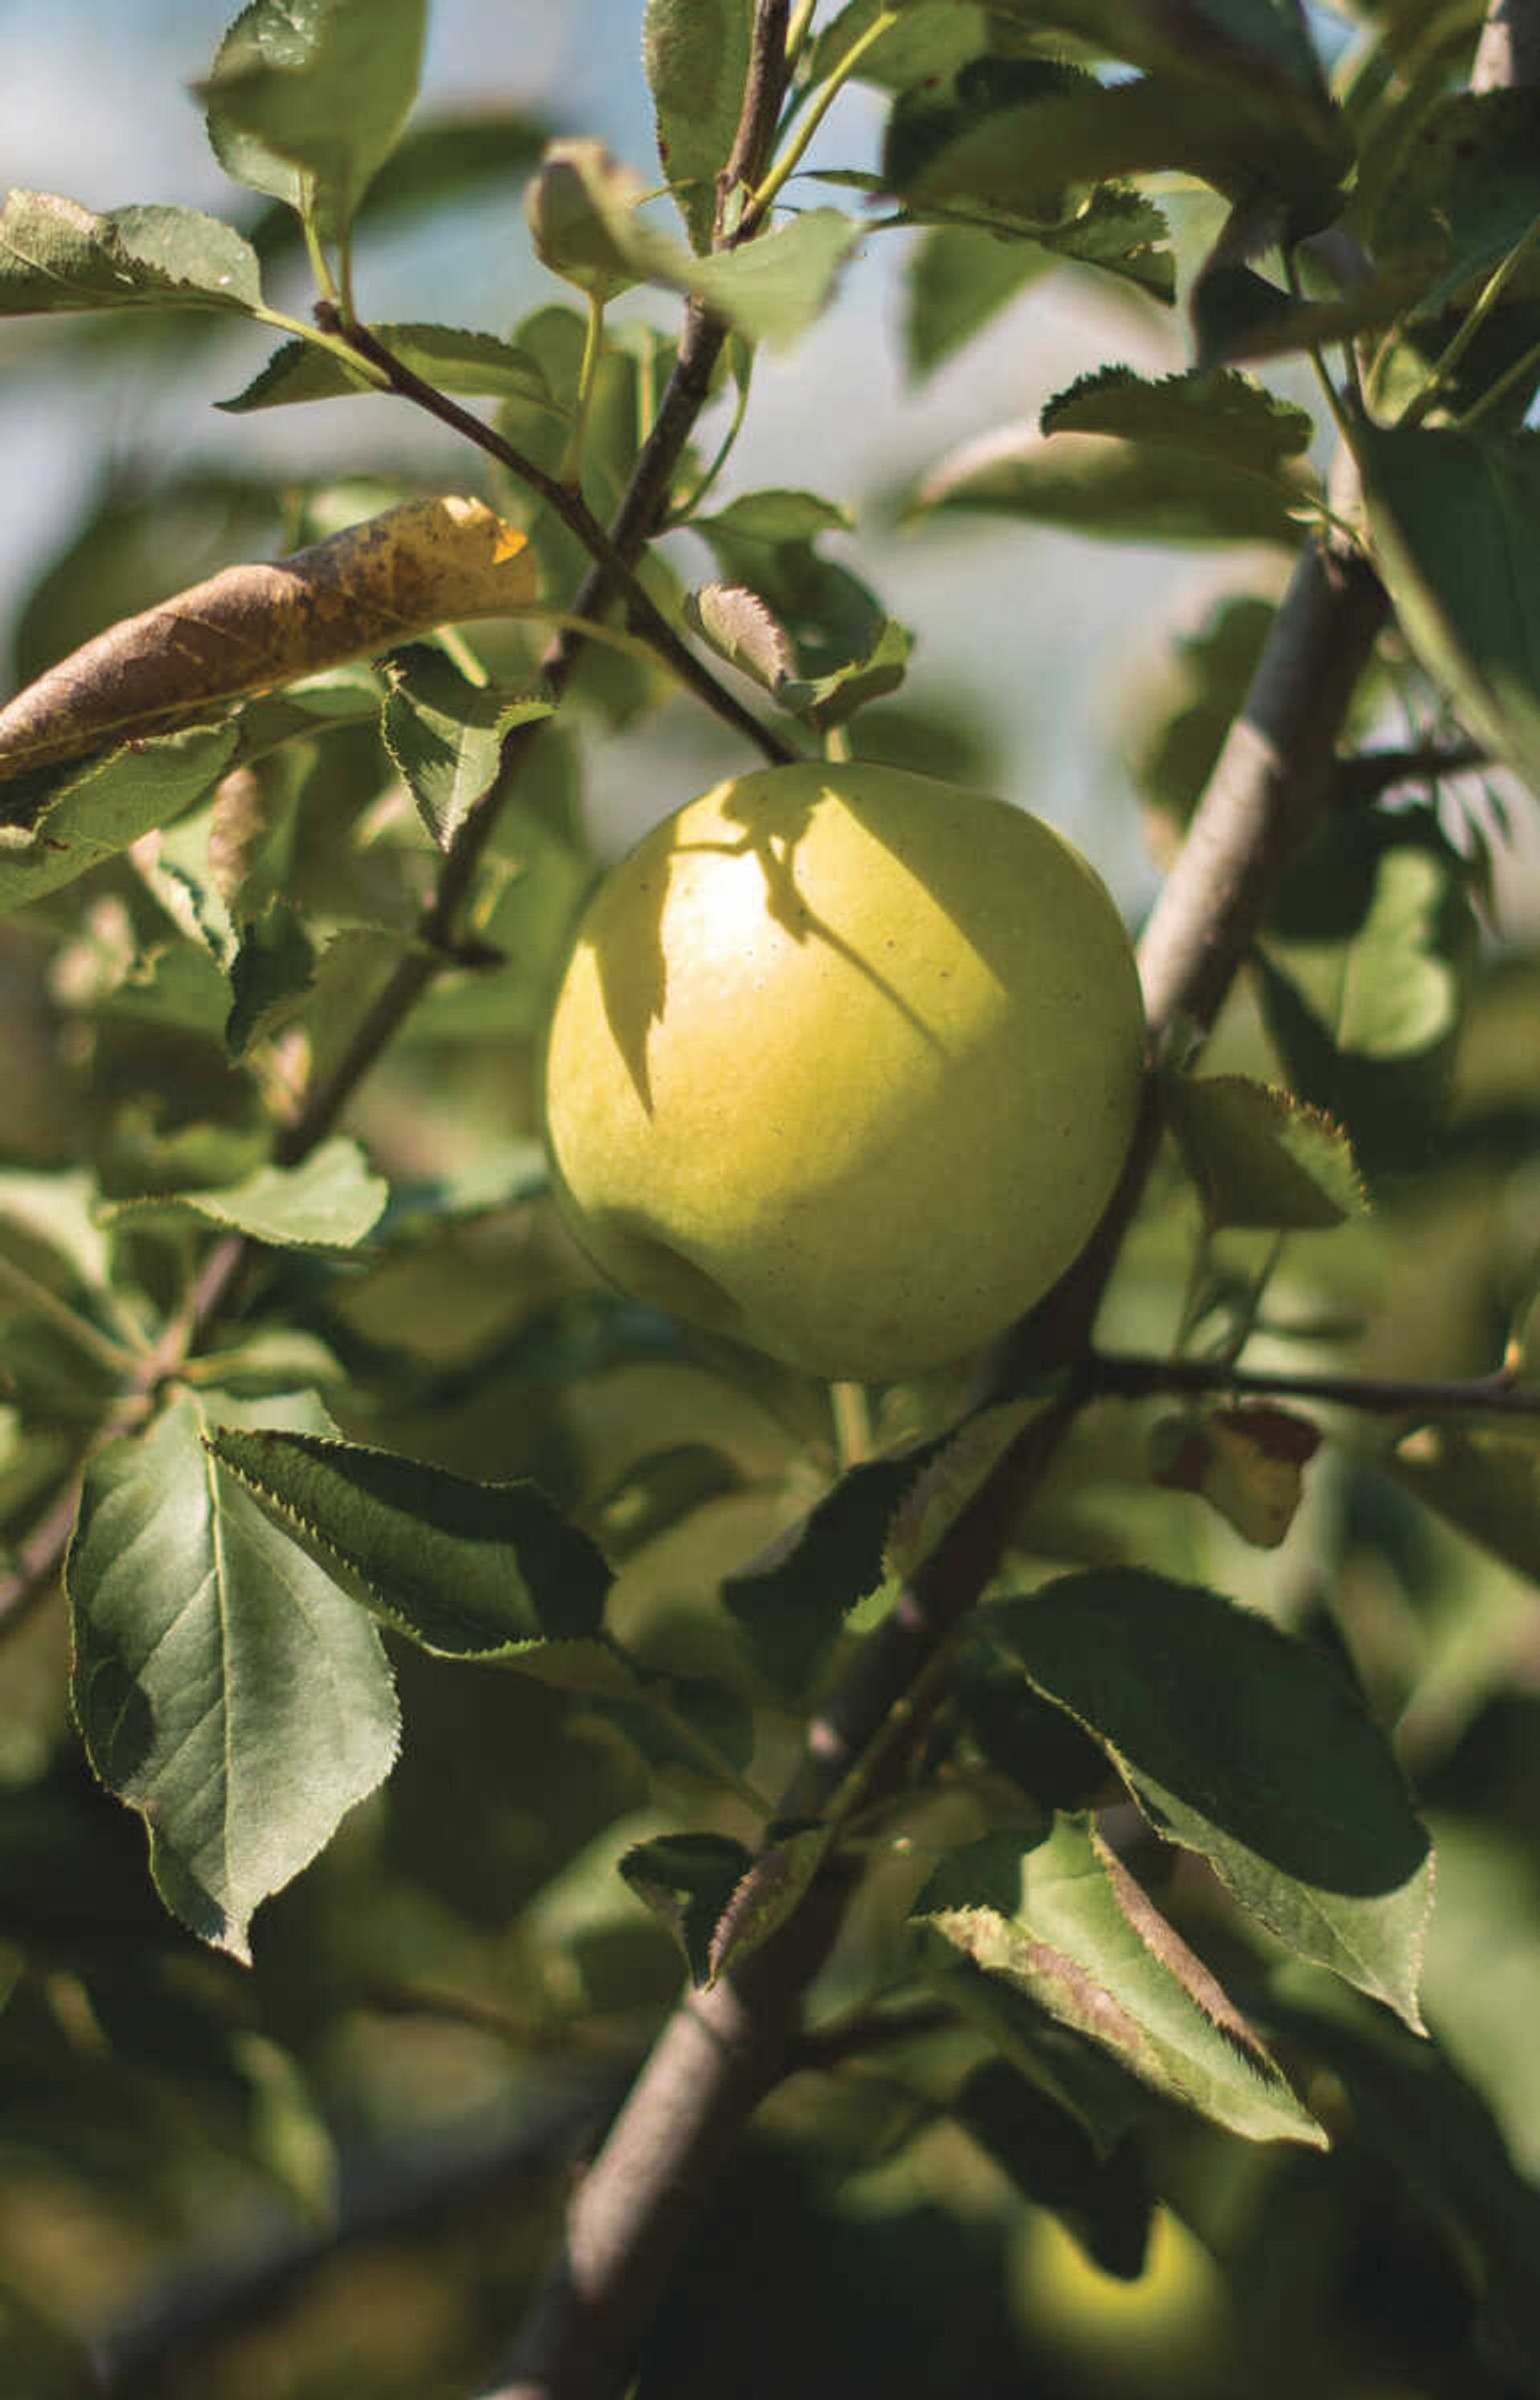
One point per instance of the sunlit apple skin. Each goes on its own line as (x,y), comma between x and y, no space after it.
(845,1064)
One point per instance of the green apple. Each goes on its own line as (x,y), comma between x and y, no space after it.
(845,1064)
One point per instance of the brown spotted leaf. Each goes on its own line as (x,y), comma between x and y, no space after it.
(251,628)
(1059,1920)
(1249,1462)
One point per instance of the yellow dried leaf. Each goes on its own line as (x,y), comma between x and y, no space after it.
(253,628)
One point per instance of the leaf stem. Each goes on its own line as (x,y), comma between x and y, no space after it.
(1523,370)
(797,33)
(35,1296)
(762,200)
(684,510)
(849,1406)
(1471,325)
(593,335)
(320,266)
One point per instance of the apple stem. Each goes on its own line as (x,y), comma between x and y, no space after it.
(851,1407)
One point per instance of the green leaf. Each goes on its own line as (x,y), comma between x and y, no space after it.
(1121,232)
(793,1601)
(958,277)
(931,39)
(439,161)
(274,965)
(768,543)
(1259,1157)
(1220,43)
(1247,1747)
(1225,416)
(86,812)
(307,98)
(776,518)
(1364,971)
(1484,1478)
(1096,2089)
(1059,1920)
(447,734)
(330,1201)
(772,288)
(56,254)
(717,1899)
(583,212)
(834,699)
(1239,314)
(1124,491)
(223,1685)
(697,56)
(446,356)
(1024,159)
(1182,718)
(686,1880)
(953,1469)
(1462,190)
(60,1211)
(760,1904)
(468,1570)
(1456,522)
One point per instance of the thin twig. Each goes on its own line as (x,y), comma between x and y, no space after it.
(568,504)
(1136,1378)
(1375,772)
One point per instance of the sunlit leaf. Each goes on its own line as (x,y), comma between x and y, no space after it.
(330,1201)
(307,98)
(56,254)
(1059,1920)
(447,734)
(1259,1157)
(1364,971)
(80,815)
(1249,1748)
(249,628)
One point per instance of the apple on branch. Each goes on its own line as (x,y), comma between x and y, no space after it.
(845,1064)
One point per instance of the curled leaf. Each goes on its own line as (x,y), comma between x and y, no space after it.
(742,630)
(251,628)
(1247,1462)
